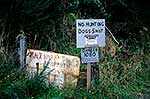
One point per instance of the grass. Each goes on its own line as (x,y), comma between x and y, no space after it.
(124,71)
(122,76)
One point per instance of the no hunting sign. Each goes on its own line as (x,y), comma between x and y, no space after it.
(90,33)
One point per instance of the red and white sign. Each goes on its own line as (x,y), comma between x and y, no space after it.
(60,69)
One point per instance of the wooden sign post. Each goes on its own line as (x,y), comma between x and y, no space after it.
(88,76)
(90,34)
(21,49)
(89,55)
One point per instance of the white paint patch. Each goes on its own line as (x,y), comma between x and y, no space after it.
(58,66)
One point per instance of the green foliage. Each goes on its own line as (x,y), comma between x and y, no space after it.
(14,84)
(121,76)
(50,25)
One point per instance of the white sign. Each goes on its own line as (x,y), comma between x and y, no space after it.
(89,55)
(90,33)
(60,69)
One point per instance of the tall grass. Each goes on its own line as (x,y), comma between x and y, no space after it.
(123,75)
(124,70)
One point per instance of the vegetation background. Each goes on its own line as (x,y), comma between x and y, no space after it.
(50,25)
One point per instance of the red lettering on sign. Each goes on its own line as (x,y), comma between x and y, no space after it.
(40,55)
(30,54)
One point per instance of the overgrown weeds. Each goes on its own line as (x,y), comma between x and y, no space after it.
(122,75)
(124,70)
